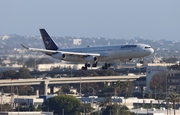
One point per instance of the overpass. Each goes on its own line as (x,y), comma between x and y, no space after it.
(57,81)
(123,70)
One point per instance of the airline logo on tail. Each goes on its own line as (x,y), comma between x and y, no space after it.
(47,42)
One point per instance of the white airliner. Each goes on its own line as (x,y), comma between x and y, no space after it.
(91,55)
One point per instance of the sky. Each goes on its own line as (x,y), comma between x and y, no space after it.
(123,19)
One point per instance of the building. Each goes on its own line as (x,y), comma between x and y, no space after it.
(26,113)
(77,42)
(173,81)
(28,101)
(153,111)
(48,67)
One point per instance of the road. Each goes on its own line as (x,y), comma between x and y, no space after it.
(123,71)
(56,81)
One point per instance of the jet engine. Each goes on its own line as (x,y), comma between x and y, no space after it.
(59,56)
(91,59)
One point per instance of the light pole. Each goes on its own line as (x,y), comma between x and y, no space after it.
(137,108)
(167,96)
(155,92)
(1,98)
(12,95)
(71,71)
(80,88)
(48,105)
(35,66)
(84,111)
(143,96)
(100,112)
(109,112)
(17,99)
(62,111)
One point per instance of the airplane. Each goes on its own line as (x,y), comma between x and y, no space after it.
(92,55)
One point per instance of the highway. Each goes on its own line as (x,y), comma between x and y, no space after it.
(124,71)
(56,81)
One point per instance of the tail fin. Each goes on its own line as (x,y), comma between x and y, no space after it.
(48,41)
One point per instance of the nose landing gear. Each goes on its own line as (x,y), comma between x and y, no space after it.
(141,60)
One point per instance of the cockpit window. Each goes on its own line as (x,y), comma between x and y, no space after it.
(147,47)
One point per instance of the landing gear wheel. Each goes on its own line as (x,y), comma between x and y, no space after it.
(84,68)
(87,65)
(141,62)
(94,64)
(106,65)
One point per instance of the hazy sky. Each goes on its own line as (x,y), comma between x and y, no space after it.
(152,19)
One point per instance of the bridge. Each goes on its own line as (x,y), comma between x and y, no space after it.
(130,70)
(57,81)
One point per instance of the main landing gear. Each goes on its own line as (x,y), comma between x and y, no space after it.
(106,65)
(86,65)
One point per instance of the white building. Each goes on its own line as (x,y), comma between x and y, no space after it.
(29,101)
(26,113)
(48,67)
(77,41)
(153,111)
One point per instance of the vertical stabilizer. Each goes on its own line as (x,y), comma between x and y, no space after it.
(48,41)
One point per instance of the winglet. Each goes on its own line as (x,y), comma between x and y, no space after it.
(24,46)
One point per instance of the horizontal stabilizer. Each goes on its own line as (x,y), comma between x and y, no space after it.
(24,46)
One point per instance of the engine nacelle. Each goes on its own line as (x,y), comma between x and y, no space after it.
(59,56)
(91,59)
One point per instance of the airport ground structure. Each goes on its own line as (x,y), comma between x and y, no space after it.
(136,105)
(52,82)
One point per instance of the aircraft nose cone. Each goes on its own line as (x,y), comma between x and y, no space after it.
(151,50)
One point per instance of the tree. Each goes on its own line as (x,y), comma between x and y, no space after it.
(23,73)
(171,60)
(82,73)
(44,61)
(174,98)
(116,109)
(108,90)
(65,88)
(9,74)
(105,102)
(149,95)
(116,87)
(6,107)
(158,80)
(1,75)
(85,108)
(126,85)
(30,63)
(66,103)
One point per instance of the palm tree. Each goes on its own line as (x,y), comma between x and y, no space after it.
(126,85)
(105,102)
(174,98)
(117,86)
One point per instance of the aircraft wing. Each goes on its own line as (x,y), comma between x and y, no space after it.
(49,52)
